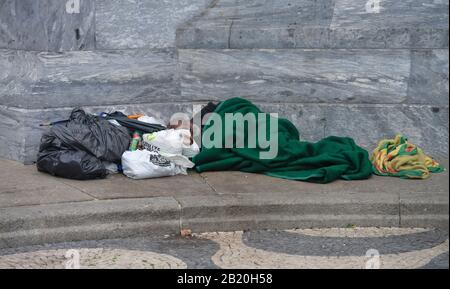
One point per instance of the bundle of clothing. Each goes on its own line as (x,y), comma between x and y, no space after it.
(399,158)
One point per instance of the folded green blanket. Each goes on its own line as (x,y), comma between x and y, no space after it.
(322,162)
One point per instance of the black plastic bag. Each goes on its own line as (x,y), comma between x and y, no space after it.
(77,148)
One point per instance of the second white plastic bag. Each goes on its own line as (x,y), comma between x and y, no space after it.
(143,164)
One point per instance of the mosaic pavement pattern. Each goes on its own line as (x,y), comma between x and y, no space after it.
(307,248)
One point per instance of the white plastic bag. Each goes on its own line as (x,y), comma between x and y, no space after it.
(173,142)
(166,153)
(144,164)
(166,141)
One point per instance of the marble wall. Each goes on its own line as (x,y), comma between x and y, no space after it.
(99,54)
(331,66)
(35,80)
(122,24)
(359,70)
(315,24)
(45,25)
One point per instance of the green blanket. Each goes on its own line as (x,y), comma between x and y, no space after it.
(322,162)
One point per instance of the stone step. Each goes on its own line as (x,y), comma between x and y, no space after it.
(241,24)
(38,208)
(88,220)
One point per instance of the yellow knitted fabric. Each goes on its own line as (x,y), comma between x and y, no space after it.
(399,158)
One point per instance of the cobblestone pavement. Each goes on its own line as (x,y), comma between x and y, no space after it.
(311,248)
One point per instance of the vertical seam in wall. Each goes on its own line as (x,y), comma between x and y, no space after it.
(22,132)
(334,14)
(408,81)
(94,24)
(325,126)
(229,34)
(44,27)
(399,211)
(178,70)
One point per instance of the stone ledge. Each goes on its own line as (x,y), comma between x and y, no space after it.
(87,232)
(89,213)
(248,202)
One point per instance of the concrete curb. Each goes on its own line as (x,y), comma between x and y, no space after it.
(318,210)
(94,220)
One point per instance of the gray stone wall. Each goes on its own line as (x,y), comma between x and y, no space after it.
(145,24)
(73,78)
(109,54)
(44,25)
(328,65)
(336,67)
